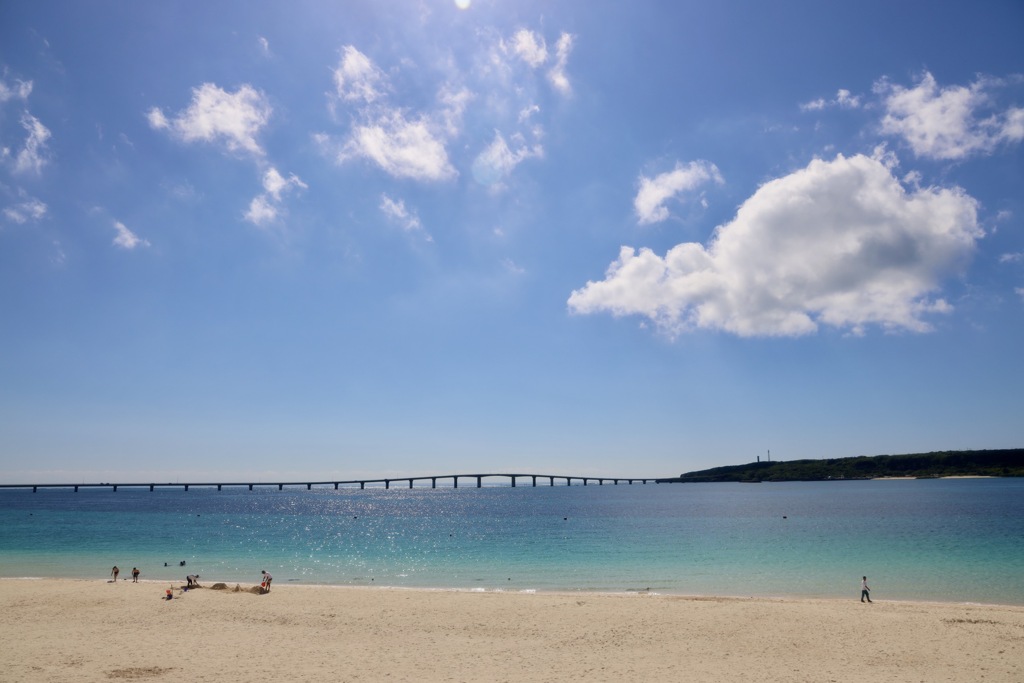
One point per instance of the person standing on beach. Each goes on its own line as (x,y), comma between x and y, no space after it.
(114,572)
(135,574)
(267,578)
(865,592)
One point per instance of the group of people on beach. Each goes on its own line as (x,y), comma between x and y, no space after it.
(192,580)
(135,574)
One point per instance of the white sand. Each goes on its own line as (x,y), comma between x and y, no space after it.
(65,630)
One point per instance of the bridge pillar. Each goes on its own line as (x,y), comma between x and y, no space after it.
(115,488)
(34,489)
(76,489)
(584,481)
(455,482)
(309,487)
(433,482)
(513,478)
(362,485)
(250,487)
(335,486)
(186,487)
(535,481)
(568,481)
(151,488)
(280,487)
(410,483)
(387,483)
(479,482)
(552,480)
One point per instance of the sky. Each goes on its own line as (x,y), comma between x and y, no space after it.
(308,240)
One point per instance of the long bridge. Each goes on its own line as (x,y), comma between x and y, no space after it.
(387,482)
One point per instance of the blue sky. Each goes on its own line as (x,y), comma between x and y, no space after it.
(332,240)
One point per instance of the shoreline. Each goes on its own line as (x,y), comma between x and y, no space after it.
(91,630)
(629,592)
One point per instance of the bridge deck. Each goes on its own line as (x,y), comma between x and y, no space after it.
(433,479)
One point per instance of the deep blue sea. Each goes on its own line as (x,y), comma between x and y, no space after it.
(950,540)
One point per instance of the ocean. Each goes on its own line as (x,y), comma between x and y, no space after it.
(948,540)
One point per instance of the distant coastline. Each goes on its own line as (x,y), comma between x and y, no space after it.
(940,464)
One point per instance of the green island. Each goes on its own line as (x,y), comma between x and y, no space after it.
(1007,462)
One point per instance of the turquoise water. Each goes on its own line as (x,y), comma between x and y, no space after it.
(953,540)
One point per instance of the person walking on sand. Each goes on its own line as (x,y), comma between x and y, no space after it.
(114,572)
(267,578)
(135,574)
(865,592)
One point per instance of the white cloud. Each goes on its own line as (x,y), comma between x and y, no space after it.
(216,115)
(28,210)
(264,45)
(530,47)
(261,210)
(266,207)
(275,183)
(497,161)
(395,210)
(33,156)
(454,101)
(650,200)
(944,123)
(839,243)
(126,239)
(512,267)
(402,148)
(20,91)
(557,74)
(843,99)
(1014,257)
(357,78)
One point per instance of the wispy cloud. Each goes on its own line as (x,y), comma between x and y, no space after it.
(839,243)
(126,239)
(843,99)
(403,146)
(266,207)
(29,210)
(498,160)
(396,211)
(35,154)
(233,119)
(531,48)
(19,91)
(655,192)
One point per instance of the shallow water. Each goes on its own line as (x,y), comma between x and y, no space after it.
(959,540)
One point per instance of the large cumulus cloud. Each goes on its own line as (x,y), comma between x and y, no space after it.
(839,243)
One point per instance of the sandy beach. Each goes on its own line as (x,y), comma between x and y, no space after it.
(60,630)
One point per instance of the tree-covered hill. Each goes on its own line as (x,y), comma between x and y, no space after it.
(988,463)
